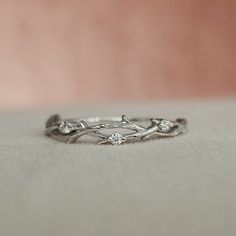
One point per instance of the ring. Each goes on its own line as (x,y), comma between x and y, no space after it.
(70,130)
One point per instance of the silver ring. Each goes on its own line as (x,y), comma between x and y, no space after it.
(70,130)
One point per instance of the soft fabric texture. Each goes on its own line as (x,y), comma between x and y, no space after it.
(175,186)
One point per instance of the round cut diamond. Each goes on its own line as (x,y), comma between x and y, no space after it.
(165,125)
(65,127)
(116,139)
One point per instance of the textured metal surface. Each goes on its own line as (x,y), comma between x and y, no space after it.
(75,128)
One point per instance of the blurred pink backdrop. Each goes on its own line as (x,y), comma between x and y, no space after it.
(61,52)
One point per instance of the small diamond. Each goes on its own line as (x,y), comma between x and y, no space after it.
(65,127)
(116,139)
(165,125)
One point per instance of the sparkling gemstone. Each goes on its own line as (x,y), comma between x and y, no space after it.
(116,139)
(65,127)
(165,125)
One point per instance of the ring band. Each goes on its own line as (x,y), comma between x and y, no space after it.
(70,130)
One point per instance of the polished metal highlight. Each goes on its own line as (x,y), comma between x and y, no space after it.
(70,130)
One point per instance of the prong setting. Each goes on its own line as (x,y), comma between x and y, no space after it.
(65,127)
(165,125)
(116,139)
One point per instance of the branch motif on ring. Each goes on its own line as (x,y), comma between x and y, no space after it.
(71,130)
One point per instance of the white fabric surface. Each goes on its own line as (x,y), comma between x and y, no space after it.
(177,186)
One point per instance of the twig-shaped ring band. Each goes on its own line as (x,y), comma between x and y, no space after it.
(70,130)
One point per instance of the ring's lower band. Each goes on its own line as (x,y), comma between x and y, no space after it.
(70,130)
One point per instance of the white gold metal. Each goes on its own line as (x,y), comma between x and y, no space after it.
(70,130)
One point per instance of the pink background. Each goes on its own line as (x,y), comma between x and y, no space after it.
(62,52)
